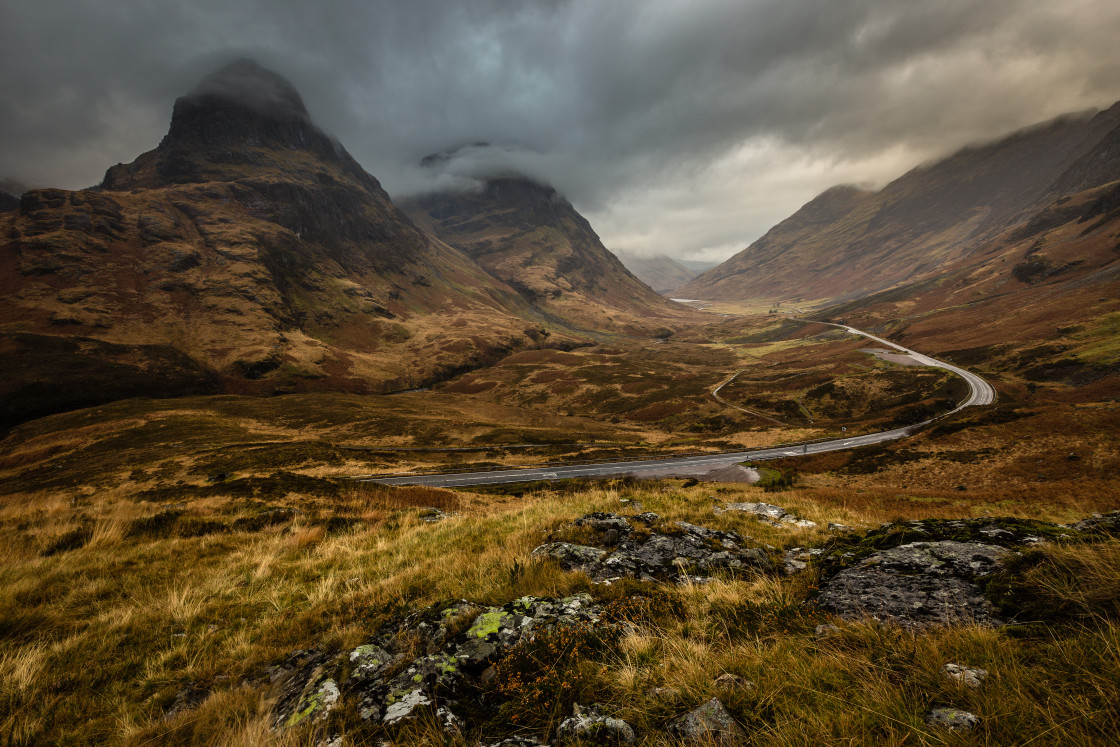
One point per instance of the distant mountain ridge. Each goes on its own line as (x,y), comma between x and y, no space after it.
(848,243)
(662,273)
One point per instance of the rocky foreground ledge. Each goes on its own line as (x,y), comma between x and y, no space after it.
(457,663)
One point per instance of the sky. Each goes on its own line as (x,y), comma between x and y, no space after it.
(679,127)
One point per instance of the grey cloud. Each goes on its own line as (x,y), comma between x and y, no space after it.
(638,110)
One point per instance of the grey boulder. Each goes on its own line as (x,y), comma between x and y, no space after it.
(592,724)
(952,719)
(709,723)
(969,676)
(917,585)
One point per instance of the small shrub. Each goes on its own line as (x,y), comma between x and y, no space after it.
(1076,583)
(158,525)
(72,540)
(774,481)
(539,679)
(630,601)
(747,619)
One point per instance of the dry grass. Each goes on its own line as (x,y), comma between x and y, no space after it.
(100,640)
(154,550)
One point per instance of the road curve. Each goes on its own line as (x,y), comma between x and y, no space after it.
(980,393)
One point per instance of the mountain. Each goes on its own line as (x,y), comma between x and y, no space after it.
(662,273)
(10,191)
(1037,308)
(249,252)
(697,266)
(848,243)
(529,236)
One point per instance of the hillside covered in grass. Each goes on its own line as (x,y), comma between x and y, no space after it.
(182,609)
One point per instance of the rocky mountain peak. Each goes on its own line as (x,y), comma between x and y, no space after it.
(231,118)
(245,104)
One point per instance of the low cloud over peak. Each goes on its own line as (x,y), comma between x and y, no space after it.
(686,129)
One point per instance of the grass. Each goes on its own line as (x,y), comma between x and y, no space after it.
(101,636)
(158,557)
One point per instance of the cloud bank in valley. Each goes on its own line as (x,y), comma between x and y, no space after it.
(679,128)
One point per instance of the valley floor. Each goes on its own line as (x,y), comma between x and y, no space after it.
(160,561)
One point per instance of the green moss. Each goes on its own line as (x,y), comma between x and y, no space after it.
(314,702)
(486,624)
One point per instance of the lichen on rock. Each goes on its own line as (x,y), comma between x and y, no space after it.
(681,552)
(917,584)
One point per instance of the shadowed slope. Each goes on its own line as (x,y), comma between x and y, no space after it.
(531,237)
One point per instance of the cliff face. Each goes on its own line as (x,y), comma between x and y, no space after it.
(249,252)
(847,244)
(530,237)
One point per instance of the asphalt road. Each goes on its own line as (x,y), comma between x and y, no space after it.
(980,393)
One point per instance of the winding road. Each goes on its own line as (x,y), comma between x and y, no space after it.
(980,393)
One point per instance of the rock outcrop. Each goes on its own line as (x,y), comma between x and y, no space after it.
(680,552)
(917,584)
(769,513)
(428,664)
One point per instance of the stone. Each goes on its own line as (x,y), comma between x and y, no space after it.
(685,554)
(300,687)
(519,742)
(968,676)
(917,584)
(187,699)
(448,721)
(406,707)
(604,522)
(315,706)
(769,513)
(797,559)
(369,661)
(729,681)
(834,527)
(1099,524)
(432,515)
(592,723)
(571,557)
(429,662)
(709,723)
(952,719)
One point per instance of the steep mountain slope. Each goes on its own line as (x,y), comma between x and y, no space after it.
(846,243)
(661,273)
(1037,308)
(247,252)
(529,236)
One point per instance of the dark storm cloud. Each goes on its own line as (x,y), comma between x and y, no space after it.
(680,127)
